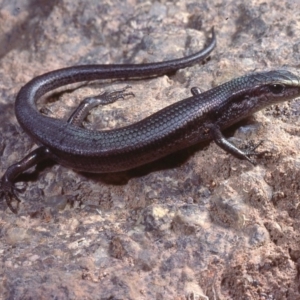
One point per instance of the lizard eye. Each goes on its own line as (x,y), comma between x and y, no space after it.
(276,88)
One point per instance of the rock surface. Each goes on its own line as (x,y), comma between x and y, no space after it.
(199,224)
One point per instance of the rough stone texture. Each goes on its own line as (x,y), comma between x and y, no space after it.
(199,224)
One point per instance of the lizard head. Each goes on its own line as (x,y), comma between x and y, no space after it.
(277,86)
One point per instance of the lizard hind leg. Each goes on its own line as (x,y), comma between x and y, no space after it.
(87,104)
(8,191)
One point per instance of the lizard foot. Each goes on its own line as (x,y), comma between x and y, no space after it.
(9,192)
(250,150)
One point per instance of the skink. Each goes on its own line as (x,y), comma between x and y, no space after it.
(198,118)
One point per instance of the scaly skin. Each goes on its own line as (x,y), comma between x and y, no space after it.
(195,119)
